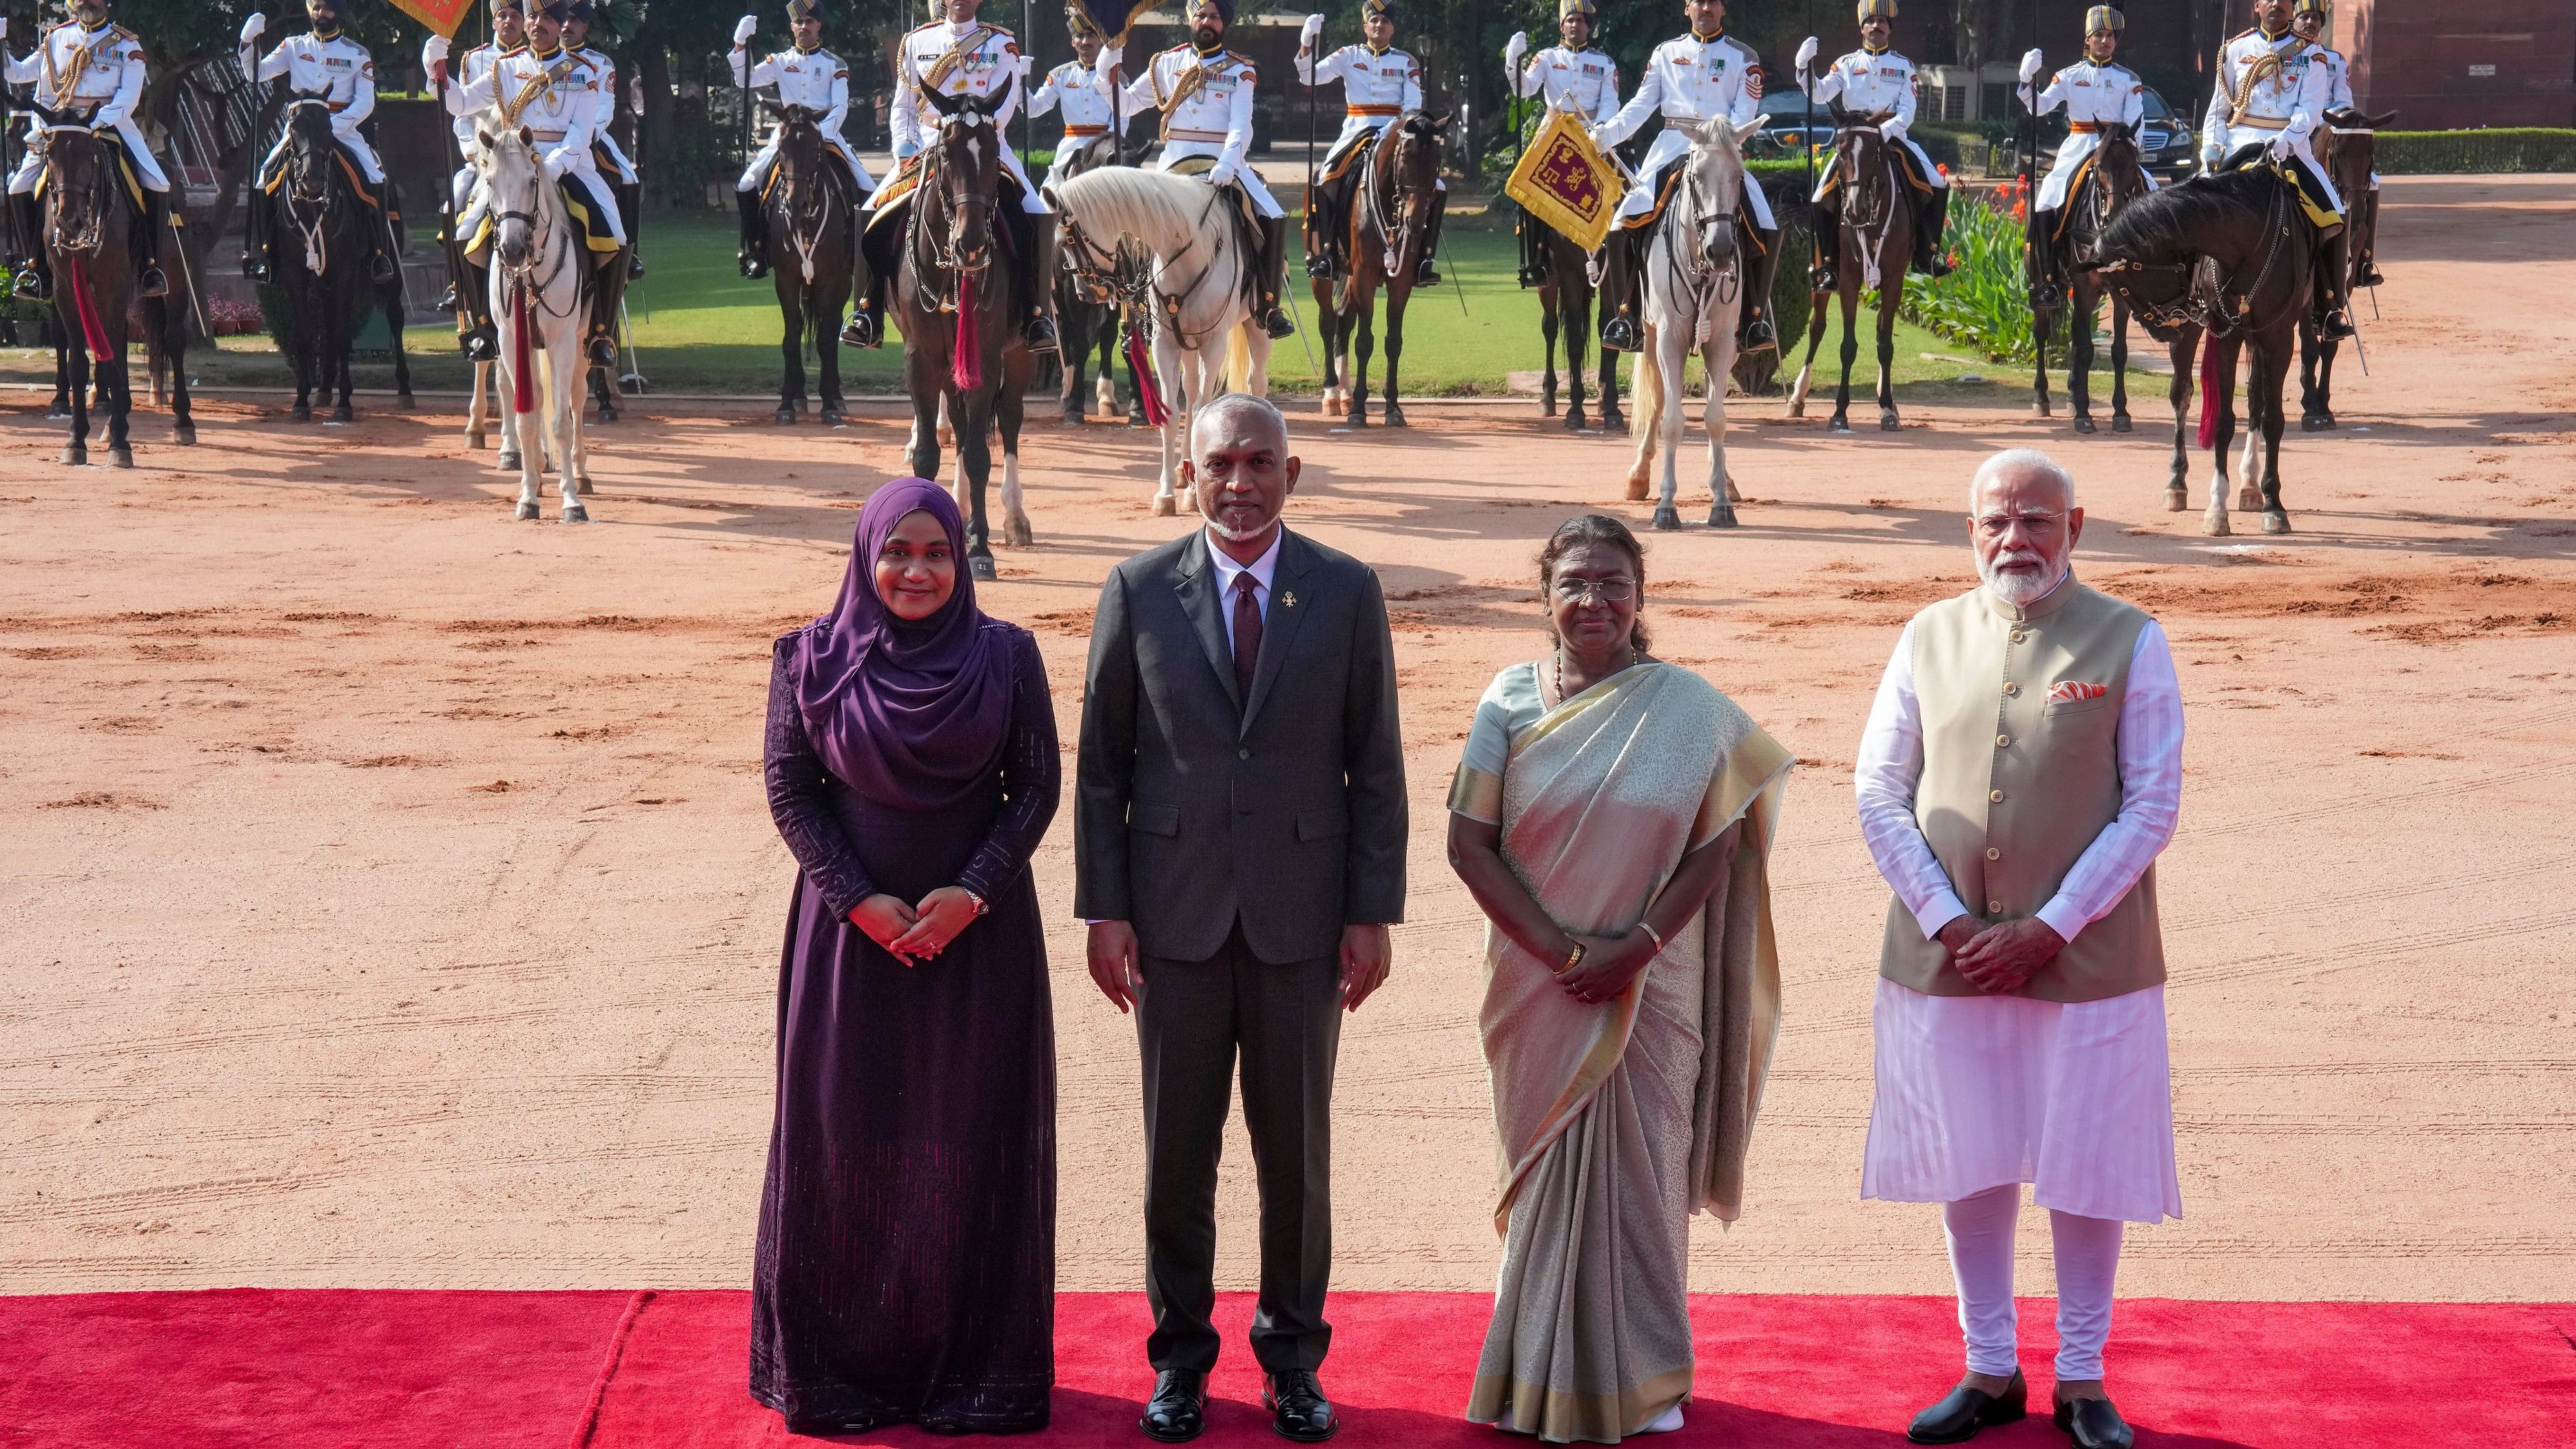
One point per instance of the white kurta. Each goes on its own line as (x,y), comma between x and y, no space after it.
(2092,94)
(1974,1092)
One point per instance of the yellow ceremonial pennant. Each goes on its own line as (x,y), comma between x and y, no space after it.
(443,16)
(1566,182)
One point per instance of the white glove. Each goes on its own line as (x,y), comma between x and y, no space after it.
(744,29)
(1223,174)
(1110,55)
(2030,66)
(1891,129)
(2282,146)
(1514,49)
(1806,53)
(433,51)
(253,27)
(1306,33)
(4,27)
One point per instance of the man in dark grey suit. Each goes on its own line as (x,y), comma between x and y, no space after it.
(1239,852)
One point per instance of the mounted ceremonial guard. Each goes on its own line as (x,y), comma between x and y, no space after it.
(1379,83)
(86,65)
(807,75)
(606,156)
(469,293)
(957,56)
(1205,94)
(1078,88)
(326,63)
(2272,91)
(1700,76)
(1876,83)
(2096,91)
(1571,76)
(2308,22)
(557,96)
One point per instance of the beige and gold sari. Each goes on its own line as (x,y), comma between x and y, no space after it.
(1618,1119)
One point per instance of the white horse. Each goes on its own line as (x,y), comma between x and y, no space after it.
(1695,278)
(1196,292)
(540,301)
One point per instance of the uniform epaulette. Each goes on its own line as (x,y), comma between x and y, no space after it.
(128,34)
(2240,35)
(1241,59)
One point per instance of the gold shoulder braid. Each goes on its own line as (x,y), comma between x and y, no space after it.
(2265,66)
(1191,82)
(937,76)
(533,87)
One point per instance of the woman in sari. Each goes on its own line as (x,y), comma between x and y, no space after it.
(905,1270)
(1613,817)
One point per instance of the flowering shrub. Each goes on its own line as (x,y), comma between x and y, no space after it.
(1985,301)
(230,318)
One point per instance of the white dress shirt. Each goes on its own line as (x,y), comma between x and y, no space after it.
(1227,571)
(2150,759)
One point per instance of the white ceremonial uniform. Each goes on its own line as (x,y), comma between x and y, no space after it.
(2286,104)
(603,136)
(1077,91)
(469,67)
(343,72)
(1207,111)
(1377,87)
(1584,81)
(2091,94)
(1687,79)
(2339,89)
(85,66)
(816,80)
(564,112)
(970,59)
(1871,85)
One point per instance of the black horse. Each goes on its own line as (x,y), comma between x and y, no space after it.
(2111,181)
(1088,313)
(1551,262)
(2347,148)
(321,236)
(2224,262)
(811,219)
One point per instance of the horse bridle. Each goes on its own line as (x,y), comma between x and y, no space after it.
(799,205)
(1373,205)
(319,203)
(2203,300)
(94,196)
(547,241)
(1708,285)
(940,252)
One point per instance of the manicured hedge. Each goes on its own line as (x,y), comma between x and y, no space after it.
(2513,148)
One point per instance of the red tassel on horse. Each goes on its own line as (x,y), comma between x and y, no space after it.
(93,330)
(2208,388)
(966,361)
(523,387)
(1140,364)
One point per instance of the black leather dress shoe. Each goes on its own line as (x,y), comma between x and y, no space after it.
(2094,1424)
(1964,1410)
(1298,1408)
(1178,1410)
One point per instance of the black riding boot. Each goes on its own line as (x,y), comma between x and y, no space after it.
(2334,324)
(630,207)
(474,329)
(1931,219)
(611,283)
(1426,273)
(2365,223)
(28,274)
(257,218)
(384,246)
(1525,230)
(754,255)
(1619,277)
(866,327)
(150,280)
(1031,235)
(1829,246)
(1753,332)
(1274,268)
(2044,291)
(1319,234)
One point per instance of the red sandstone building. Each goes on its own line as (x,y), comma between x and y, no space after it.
(2446,64)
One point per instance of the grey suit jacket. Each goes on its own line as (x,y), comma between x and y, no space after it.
(1194,808)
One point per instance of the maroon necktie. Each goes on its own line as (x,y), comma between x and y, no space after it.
(1247,634)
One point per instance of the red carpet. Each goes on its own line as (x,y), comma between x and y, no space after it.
(431,1370)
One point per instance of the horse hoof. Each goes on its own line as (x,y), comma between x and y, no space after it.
(120,455)
(529,512)
(407,403)
(299,414)
(2248,498)
(1073,418)
(1547,408)
(583,487)
(2177,500)
(608,415)
(75,455)
(1017,533)
(832,417)
(2315,422)
(1614,423)
(1574,420)
(1393,417)
(1720,516)
(575,513)
(2119,422)
(786,414)
(1798,407)
(1667,518)
(1636,487)
(2215,523)
(508,462)
(1887,421)
(475,440)
(2084,424)
(2276,520)
(344,414)
(981,566)
(1839,424)
(1163,505)
(184,434)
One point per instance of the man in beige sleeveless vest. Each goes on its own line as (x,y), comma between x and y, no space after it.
(2021,770)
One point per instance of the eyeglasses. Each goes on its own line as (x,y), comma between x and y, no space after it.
(1608,591)
(1996,525)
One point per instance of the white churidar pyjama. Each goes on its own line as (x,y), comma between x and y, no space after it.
(1980,1230)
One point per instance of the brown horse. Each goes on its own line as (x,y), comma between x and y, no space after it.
(1877,244)
(1389,230)
(2347,148)
(954,290)
(812,211)
(2226,257)
(1562,273)
(1088,312)
(90,250)
(2112,180)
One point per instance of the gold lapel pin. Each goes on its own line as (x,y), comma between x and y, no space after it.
(1290,600)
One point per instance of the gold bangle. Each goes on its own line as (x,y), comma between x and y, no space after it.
(1572,960)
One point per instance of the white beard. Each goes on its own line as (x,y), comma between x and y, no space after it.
(1238,535)
(2020,588)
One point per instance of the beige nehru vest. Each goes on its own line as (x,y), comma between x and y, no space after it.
(2020,772)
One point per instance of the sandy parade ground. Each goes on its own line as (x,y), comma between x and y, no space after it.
(389,897)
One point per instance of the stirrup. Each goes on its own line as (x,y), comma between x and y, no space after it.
(634,266)
(1758,336)
(2370,276)
(447,301)
(254,269)
(859,331)
(381,269)
(30,284)
(1039,335)
(754,265)
(2046,294)
(2335,326)
(1426,273)
(154,282)
(483,344)
(1619,334)
(603,352)
(1820,278)
(1276,323)
(1933,266)
(1319,265)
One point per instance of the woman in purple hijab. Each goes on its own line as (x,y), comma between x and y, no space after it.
(906,1263)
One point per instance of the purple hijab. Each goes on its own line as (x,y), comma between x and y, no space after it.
(913,715)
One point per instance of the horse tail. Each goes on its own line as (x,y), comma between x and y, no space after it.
(1238,360)
(2208,388)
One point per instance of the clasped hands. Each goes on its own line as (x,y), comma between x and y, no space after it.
(1367,955)
(913,934)
(1609,963)
(2002,957)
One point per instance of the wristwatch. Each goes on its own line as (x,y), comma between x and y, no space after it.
(982,907)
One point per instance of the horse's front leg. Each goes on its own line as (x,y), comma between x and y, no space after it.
(2183,352)
(119,386)
(1363,349)
(1010,410)
(527,448)
(974,423)
(2040,320)
(1576,326)
(477,412)
(1256,349)
(2222,397)
(402,361)
(2119,364)
(1807,369)
(76,362)
(2079,360)
(572,452)
(1850,294)
(1612,419)
(1720,360)
(791,351)
(2272,369)
(1650,397)
(339,379)
(1891,296)
(1393,411)
(921,450)
(174,351)
(1550,298)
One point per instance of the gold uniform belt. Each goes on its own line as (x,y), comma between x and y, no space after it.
(2261,123)
(1178,133)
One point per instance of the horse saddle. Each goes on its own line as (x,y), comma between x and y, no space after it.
(1747,235)
(1356,158)
(1247,220)
(2257,156)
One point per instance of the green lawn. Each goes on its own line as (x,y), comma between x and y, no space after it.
(699,327)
